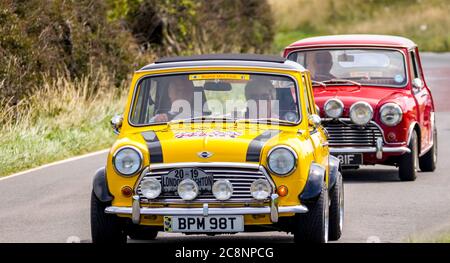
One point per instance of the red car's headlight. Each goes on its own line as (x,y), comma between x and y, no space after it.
(391,114)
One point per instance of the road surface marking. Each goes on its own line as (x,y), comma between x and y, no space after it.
(76,158)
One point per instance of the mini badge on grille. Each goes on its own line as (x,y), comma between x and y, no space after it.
(204,154)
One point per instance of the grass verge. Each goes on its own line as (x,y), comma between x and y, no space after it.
(425,22)
(64,117)
(443,237)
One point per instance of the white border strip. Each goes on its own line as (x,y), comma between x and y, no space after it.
(54,164)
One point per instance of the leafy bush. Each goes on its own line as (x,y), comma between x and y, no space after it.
(54,36)
(65,63)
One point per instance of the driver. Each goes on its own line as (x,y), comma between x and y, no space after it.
(181,95)
(321,65)
(262,92)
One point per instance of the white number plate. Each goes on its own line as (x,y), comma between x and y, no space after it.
(201,224)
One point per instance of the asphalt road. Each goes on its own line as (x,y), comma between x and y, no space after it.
(51,204)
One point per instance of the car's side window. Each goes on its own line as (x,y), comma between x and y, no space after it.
(144,104)
(415,66)
(311,106)
(306,95)
(298,57)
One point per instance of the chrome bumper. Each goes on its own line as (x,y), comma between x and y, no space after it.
(379,149)
(136,211)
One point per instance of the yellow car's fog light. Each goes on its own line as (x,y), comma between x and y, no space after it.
(260,189)
(150,188)
(222,189)
(188,189)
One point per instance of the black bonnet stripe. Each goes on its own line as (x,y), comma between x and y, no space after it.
(256,145)
(154,147)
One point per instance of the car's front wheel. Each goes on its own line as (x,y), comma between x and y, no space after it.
(105,228)
(336,209)
(313,226)
(409,161)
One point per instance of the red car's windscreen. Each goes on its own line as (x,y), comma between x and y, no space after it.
(367,66)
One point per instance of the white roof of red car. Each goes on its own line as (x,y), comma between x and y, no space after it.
(355,40)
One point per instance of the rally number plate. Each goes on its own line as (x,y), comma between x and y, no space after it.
(171,180)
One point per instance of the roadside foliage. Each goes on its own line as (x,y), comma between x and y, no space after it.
(66,64)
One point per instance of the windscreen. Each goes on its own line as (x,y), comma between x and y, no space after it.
(366,66)
(215,96)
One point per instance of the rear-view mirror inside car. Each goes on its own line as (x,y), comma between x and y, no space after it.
(346,58)
(217,86)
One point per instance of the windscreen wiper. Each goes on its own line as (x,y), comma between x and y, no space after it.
(341,81)
(268,120)
(203,118)
(315,82)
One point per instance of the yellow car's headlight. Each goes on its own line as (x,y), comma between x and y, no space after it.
(127,160)
(282,160)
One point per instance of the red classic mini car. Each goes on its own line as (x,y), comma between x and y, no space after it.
(373,100)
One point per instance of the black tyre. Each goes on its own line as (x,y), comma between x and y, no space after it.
(336,209)
(142,233)
(427,162)
(312,227)
(409,161)
(105,228)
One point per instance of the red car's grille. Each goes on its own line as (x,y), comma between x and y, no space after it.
(343,133)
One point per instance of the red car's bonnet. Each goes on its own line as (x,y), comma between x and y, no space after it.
(375,96)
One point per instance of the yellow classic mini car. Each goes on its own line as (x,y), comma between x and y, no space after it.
(219,144)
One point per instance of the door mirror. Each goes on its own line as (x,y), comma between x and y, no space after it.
(417,84)
(314,120)
(116,123)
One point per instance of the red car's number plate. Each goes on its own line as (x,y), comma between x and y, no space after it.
(349,158)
